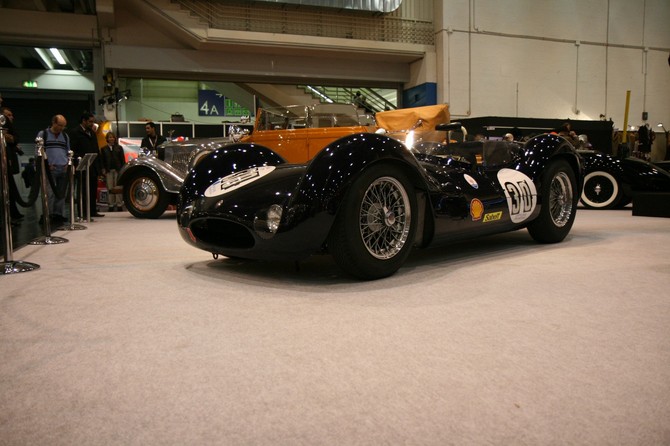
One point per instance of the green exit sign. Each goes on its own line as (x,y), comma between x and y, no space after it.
(30,84)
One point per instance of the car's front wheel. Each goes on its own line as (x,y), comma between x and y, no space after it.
(144,196)
(376,224)
(558,204)
(601,191)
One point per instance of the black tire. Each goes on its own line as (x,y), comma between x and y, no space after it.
(144,196)
(376,224)
(601,191)
(558,205)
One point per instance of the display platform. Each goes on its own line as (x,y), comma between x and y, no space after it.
(652,204)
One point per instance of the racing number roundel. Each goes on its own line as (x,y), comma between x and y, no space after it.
(236,180)
(520,192)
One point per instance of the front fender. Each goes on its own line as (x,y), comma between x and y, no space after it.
(642,176)
(330,173)
(171,179)
(594,161)
(225,161)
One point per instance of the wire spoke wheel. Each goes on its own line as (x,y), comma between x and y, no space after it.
(385,218)
(558,203)
(376,223)
(560,199)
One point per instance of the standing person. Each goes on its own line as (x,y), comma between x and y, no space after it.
(565,130)
(360,101)
(113,160)
(13,166)
(645,140)
(56,146)
(153,140)
(85,141)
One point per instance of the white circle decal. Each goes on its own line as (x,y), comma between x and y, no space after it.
(520,192)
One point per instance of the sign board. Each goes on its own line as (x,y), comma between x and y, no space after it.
(213,103)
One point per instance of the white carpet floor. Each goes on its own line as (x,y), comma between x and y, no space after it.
(126,335)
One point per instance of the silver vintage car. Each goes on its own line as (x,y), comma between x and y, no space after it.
(151,184)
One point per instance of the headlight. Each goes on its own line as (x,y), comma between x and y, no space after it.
(266,223)
(274,217)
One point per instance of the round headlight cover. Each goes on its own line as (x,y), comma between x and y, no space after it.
(274,218)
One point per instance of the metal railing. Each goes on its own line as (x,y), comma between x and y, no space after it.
(347,95)
(270,18)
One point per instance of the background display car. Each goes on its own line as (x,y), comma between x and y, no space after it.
(368,198)
(611,183)
(296,133)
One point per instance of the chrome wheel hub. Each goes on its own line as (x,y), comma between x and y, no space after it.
(144,193)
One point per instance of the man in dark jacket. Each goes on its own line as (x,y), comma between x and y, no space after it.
(13,165)
(83,140)
(153,140)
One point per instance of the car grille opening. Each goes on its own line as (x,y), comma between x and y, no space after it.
(178,157)
(222,233)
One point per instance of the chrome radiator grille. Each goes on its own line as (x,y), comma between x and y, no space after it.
(178,157)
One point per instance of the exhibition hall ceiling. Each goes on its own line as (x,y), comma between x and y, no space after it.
(28,57)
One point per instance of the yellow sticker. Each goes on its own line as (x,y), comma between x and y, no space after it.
(493,216)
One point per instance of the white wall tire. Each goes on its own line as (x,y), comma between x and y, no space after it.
(601,190)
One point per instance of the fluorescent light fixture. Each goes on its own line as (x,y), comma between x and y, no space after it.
(57,55)
(318,93)
(45,58)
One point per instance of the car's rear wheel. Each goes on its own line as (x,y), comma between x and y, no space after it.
(558,203)
(601,191)
(144,196)
(376,224)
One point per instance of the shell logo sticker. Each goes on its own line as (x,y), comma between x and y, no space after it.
(471,181)
(236,180)
(476,209)
(520,192)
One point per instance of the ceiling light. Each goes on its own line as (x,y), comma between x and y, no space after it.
(57,54)
(45,58)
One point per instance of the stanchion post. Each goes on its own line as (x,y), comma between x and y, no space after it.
(84,165)
(47,239)
(80,193)
(9,266)
(70,169)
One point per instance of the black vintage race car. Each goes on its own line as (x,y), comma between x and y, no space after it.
(611,183)
(368,198)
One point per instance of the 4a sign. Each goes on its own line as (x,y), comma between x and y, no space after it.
(213,103)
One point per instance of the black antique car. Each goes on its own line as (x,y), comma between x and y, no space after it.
(368,198)
(611,182)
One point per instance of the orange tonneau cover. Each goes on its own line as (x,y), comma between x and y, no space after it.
(406,118)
